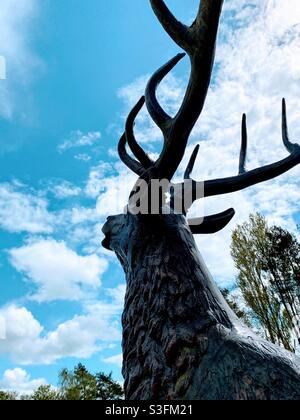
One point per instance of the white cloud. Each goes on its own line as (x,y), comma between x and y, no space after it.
(97,175)
(83,157)
(64,189)
(79,139)
(117,294)
(2,328)
(111,186)
(21,322)
(16,19)
(82,336)
(23,211)
(18,380)
(58,272)
(114,360)
(2,68)
(115,193)
(77,216)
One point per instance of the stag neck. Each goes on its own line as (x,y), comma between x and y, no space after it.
(165,246)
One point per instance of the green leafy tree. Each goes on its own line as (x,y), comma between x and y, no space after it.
(45,393)
(78,384)
(268,262)
(8,396)
(236,307)
(107,388)
(283,263)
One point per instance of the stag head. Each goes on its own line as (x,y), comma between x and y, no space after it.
(199,43)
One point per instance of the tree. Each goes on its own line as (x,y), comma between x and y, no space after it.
(180,338)
(78,384)
(45,393)
(107,388)
(235,306)
(268,261)
(42,393)
(283,264)
(8,396)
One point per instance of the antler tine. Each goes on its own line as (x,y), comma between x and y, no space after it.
(136,149)
(202,53)
(180,33)
(159,116)
(202,36)
(243,154)
(131,163)
(285,134)
(211,224)
(256,176)
(191,164)
(187,176)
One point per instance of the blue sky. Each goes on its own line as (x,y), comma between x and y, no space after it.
(74,69)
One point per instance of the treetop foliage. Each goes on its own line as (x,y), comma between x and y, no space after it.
(75,385)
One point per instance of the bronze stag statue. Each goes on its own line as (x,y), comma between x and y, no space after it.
(181,340)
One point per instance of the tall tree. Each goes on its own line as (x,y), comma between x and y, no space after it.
(107,388)
(283,263)
(78,384)
(180,338)
(268,261)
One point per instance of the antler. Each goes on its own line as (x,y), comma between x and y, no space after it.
(243,154)
(179,32)
(199,41)
(211,224)
(144,162)
(136,149)
(131,163)
(247,179)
